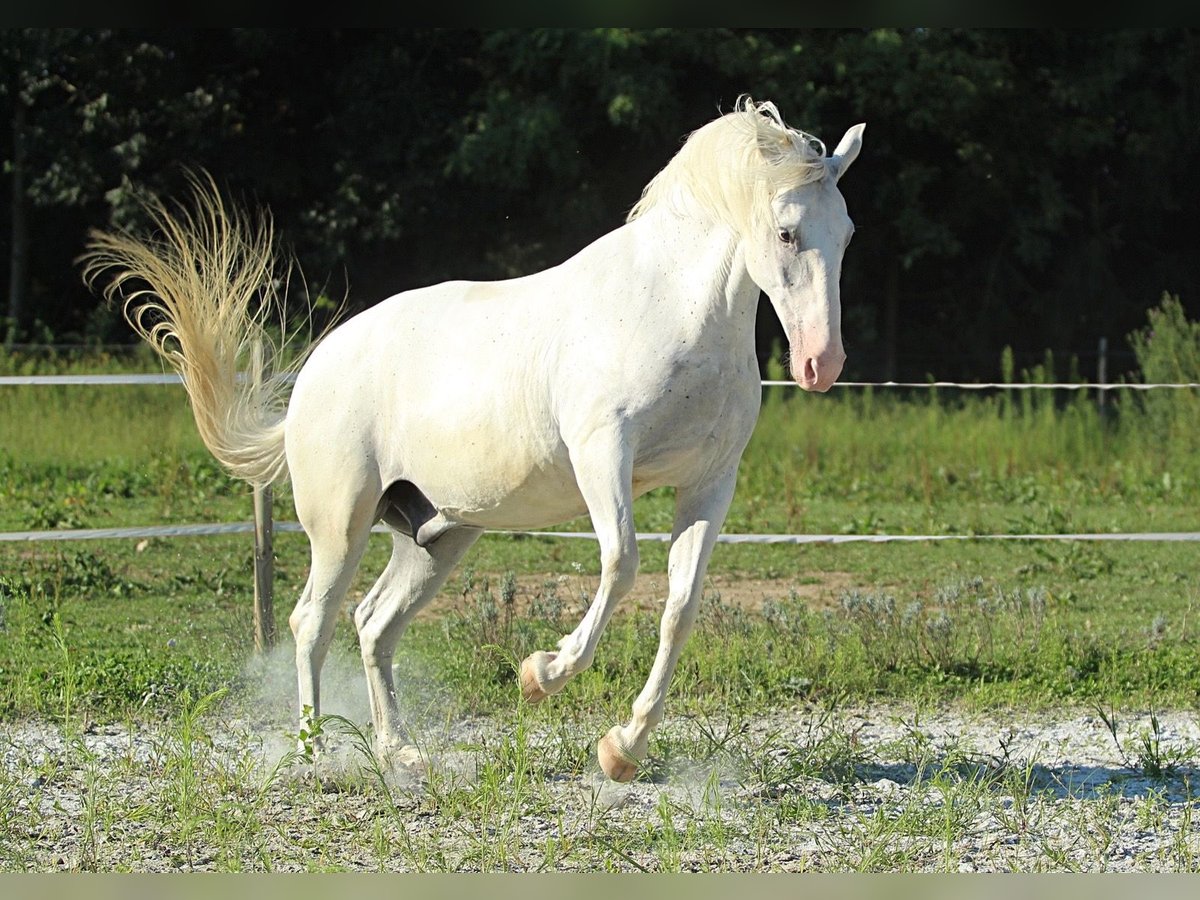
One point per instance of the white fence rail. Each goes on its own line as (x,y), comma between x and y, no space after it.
(132,533)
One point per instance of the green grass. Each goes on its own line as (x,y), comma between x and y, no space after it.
(159,632)
(143,627)
(985,622)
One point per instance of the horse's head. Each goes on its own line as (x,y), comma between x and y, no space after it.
(794,254)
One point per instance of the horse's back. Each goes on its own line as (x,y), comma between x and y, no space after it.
(474,361)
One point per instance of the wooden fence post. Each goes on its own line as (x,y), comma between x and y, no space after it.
(264,568)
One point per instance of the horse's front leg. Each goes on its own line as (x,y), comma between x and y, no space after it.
(699,514)
(604,471)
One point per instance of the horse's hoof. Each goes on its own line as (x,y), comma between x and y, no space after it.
(533,671)
(403,756)
(617,762)
(411,758)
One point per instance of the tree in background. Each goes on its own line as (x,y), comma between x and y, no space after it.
(1019,187)
(93,115)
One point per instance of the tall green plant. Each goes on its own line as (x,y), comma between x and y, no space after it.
(1168,352)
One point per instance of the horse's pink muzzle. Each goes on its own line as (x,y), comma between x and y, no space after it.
(818,373)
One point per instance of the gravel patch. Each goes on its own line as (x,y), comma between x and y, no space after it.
(883,789)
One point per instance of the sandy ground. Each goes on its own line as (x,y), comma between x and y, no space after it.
(1074,798)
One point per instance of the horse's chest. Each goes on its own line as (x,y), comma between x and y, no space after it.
(694,424)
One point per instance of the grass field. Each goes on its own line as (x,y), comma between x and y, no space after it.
(142,631)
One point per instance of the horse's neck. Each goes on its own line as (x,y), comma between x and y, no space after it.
(709,266)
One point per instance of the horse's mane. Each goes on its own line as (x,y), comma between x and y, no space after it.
(730,168)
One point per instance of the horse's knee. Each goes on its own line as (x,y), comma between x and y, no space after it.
(620,568)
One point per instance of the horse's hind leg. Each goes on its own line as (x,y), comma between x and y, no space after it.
(336,552)
(698,518)
(412,578)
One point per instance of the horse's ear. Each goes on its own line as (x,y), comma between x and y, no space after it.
(847,150)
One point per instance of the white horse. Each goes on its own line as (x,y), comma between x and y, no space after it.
(516,404)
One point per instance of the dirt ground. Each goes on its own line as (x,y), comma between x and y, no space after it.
(577,591)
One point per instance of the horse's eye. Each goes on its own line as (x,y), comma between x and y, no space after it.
(786,236)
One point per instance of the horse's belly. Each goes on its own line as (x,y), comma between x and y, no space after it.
(532,505)
(498,485)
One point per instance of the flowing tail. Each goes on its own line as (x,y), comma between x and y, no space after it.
(202,294)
